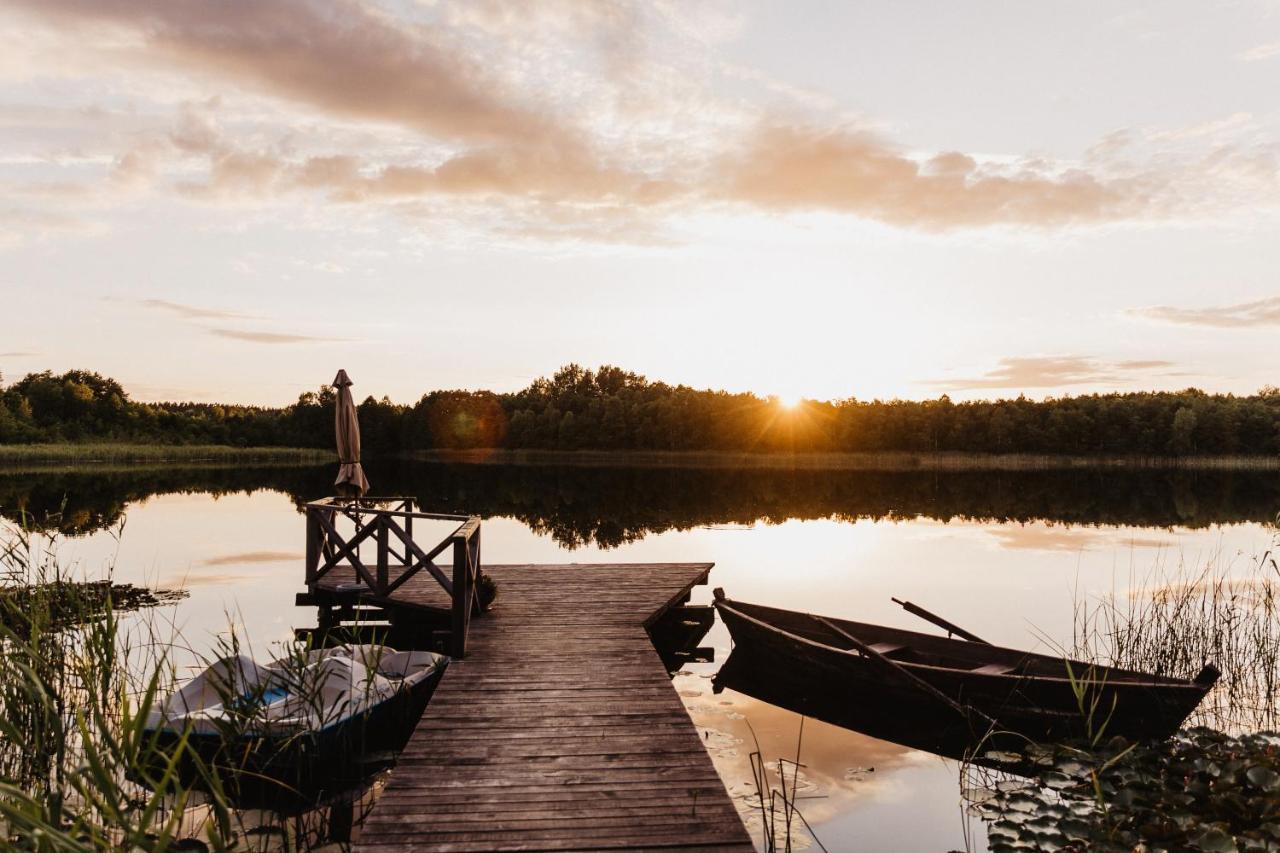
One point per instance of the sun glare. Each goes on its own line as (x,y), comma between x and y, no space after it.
(788,401)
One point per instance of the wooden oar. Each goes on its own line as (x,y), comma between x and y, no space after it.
(872,654)
(949,627)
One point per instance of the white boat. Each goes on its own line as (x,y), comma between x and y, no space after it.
(315,700)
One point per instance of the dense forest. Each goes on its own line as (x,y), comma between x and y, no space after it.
(613,409)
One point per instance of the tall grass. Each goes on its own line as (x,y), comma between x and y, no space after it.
(1178,619)
(92,452)
(780,817)
(78,770)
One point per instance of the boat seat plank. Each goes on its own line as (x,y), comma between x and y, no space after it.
(993,669)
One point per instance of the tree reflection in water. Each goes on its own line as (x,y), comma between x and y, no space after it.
(609,507)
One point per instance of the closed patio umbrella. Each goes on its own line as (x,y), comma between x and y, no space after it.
(351,479)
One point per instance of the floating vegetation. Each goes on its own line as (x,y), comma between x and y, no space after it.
(67,603)
(1207,788)
(1200,790)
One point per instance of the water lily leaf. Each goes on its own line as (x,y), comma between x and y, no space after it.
(1264,778)
(1214,840)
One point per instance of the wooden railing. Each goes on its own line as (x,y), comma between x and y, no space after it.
(384,526)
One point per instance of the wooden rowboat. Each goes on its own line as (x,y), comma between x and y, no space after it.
(934,678)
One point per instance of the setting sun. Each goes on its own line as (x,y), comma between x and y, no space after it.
(788,401)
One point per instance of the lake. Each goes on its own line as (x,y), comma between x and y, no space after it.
(1005,554)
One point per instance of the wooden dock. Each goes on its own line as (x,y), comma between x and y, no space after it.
(561,729)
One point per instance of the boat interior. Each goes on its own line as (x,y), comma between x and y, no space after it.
(912,647)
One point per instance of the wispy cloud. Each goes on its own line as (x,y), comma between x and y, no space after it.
(1035,538)
(197,313)
(1262,312)
(572,121)
(251,557)
(510,125)
(1260,52)
(265,337)
(1056,372)
(193,312)
(339,57)
(18,354)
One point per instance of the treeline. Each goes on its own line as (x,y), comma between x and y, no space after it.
(588,505)
(614,409)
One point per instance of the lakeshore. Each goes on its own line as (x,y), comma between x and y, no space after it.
(71,455)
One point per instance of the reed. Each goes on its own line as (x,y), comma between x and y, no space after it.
(78,770)
(1213,786)
(780,816)
(92,452)
(1225,612)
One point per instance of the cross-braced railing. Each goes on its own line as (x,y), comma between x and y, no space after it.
(387,525)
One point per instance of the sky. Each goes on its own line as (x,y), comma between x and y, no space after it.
(231,200)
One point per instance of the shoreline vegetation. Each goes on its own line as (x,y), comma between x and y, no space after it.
(77,453)
(849,461)
(74,456)
(610,411)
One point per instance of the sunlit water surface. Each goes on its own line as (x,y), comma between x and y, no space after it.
(240,557)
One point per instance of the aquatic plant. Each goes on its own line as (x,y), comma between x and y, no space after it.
(1176,620)
(1200,790)
(78,770)
(778,807)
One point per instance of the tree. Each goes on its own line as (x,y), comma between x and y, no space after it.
(1182,433)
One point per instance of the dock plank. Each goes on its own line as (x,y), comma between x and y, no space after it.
(561,729)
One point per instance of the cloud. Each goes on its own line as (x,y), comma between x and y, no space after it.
(18,354)
(196,313)
(1262,312)
(29,225)
(1054,372)
(542,123)
(252,557)
(266,337)
(1260,52)
(192,312)
(340,56)
(1050,538)
(788,167)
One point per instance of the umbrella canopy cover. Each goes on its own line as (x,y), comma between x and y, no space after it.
(351,479)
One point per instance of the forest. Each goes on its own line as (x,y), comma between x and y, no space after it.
(614,409)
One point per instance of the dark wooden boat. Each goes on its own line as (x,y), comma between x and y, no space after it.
(1041,697)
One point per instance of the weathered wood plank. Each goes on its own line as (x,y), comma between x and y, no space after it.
(531,744)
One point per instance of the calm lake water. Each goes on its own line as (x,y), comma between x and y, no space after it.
(1004,554)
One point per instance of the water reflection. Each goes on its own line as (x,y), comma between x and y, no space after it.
(609,507)
(1002,553)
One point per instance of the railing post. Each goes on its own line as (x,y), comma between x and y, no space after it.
(474,560)
(462,592)
(384,547)
(313,545)
(408,527)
